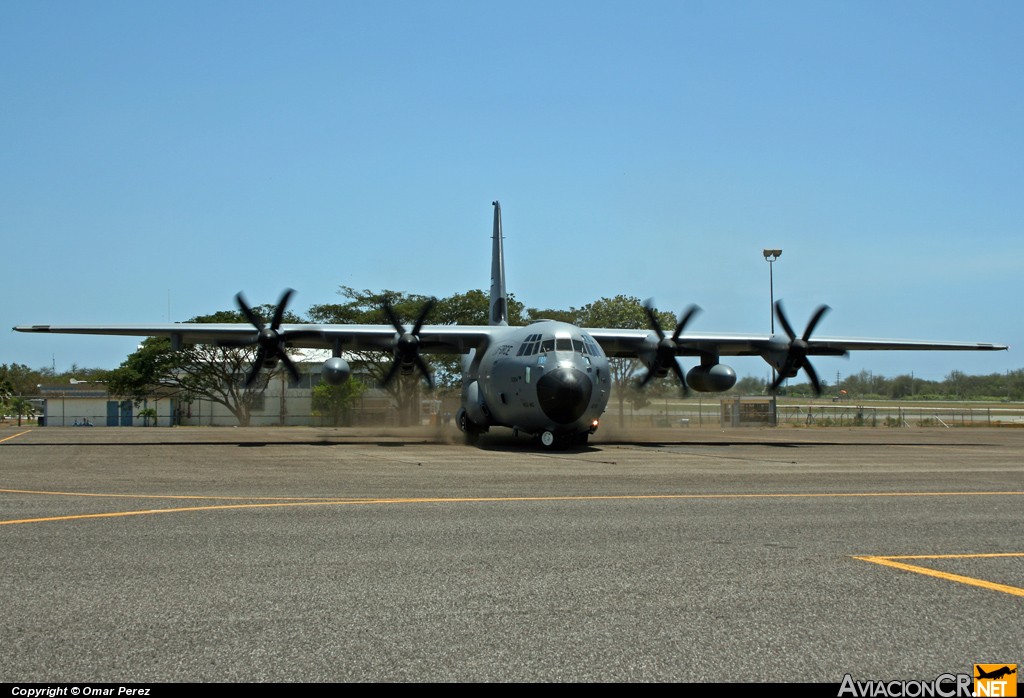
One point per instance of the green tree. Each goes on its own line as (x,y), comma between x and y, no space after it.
(472,308)
(750,385)
(900,387)
(469,308)
(367,307)
(6,393)
(22,380)
(1011,386)
(535,314)
(621,312)
(206,371)
(334,403)
(21,407)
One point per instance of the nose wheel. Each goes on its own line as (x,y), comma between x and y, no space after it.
(553,442)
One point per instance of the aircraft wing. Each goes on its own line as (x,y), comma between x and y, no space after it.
(459,339)
(629,343)
(437,339)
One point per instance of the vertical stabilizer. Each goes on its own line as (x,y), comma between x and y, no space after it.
(499,303)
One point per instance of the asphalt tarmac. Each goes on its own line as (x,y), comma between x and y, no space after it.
(675,555)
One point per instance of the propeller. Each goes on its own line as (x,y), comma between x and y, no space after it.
(796,353)
(269,339)
(407,348)
(665,354)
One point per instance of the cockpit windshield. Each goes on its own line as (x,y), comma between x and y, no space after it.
(537,344)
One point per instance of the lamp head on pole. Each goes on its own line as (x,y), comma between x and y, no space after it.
(772,255)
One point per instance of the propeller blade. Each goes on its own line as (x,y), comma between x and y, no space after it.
(646,379)
(271,342)
(407,347)
(292,370)
(682,376)
(279,310)
(818,314)
(687,316)
(248,312)
(665,353)
(652,318)
(813,376)
(254,370)
(425,370)
(395,365)
(427,307)
(796,353)
(781,315)
(389,311)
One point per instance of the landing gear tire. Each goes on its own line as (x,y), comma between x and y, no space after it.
(468,427)
(548,440)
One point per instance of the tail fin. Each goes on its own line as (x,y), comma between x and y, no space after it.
(499,302)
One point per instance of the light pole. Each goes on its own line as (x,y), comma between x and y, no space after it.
(770,256)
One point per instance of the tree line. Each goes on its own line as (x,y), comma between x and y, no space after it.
(867,385)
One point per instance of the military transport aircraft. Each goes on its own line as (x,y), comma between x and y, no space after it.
(548,379)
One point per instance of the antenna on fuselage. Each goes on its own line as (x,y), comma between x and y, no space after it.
(499,302)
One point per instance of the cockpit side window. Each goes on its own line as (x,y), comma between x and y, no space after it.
(530,345)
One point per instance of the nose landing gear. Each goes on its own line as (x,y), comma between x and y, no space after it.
(553,442)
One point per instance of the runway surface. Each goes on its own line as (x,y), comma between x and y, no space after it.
(675,555)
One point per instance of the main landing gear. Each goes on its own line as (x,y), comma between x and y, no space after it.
(470,429)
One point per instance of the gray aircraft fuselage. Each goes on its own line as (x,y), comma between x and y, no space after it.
(548,378)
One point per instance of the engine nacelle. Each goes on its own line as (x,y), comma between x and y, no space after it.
(711,379)
(336,371)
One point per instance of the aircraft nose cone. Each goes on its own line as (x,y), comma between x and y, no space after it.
(564,394)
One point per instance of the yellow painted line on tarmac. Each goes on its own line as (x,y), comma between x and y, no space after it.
(894,561)
(144,512)
(171,496)
(409,500)
(14,436)
(297,502)
(938,557)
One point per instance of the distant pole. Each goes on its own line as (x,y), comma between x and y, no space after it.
(770,256)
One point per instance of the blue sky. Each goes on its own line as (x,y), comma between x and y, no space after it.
(160,157)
